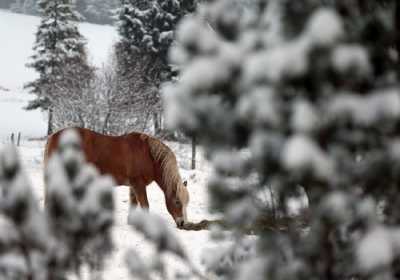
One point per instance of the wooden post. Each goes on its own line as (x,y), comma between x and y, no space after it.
(193,152)
(19,139)
(273,206)
(12,138)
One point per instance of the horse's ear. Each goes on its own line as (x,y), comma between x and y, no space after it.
(185,183)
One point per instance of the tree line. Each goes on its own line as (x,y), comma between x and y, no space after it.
(124,94)
(95,11)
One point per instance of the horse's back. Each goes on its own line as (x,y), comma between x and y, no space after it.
(125,157)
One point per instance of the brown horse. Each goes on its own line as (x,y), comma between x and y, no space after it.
(134,160)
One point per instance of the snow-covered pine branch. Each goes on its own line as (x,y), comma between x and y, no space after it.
(72,232)
(316,105)
(79,206)
(158,233)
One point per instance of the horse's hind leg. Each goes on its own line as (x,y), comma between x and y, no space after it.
(132,197)
(142,196)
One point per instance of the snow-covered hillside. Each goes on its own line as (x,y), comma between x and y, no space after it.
(17,33)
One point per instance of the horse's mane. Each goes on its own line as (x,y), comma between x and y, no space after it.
(168,164)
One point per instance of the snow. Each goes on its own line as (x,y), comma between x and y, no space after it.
(10,235)
(226,255)
(207,72)
(301,153)
(156,230)
(14,119)
(380,245)
(375,250)
(136,265)
(18,34)
(351,57)
(260,108)
(287,60)
(190,33)
(395,148)
(13,266)
(305,117)
(336,206)
(229,162)
(325,27)
(125,238)
(253,269)
(290,59)
(368,110)
(244,212)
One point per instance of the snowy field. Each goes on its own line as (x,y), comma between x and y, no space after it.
(124,236)
(17,33)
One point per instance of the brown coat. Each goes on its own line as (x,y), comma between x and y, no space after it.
(135,160)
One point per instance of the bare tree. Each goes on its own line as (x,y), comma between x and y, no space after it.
(106,102)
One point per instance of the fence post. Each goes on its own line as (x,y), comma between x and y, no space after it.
(12,138)
(193,152)
(19,139)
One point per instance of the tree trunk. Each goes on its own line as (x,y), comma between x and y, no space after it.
(105,129)
(157,123)
(273,206)
(50,122)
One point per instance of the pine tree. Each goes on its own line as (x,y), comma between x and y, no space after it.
(6,4)
(24,6)
(24,237)
(149,26)
(30,7)
(100,11)
(79,209)
(17,6)
(75,230)
(319,108)
(146,30)
(59,54)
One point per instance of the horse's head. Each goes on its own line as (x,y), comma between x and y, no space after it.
(178,202)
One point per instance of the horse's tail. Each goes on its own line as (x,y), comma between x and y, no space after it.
(166,159)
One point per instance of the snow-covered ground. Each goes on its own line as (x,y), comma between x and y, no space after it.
(17,36)
(124,236)
(17,33)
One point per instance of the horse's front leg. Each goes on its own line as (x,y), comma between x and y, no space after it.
(141,195)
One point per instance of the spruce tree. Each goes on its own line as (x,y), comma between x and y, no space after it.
(6,4)
(17,6)
(30,7)
(59,54)
(100,11)
(149,26)
(147,30)
(318,108)
(24,6)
